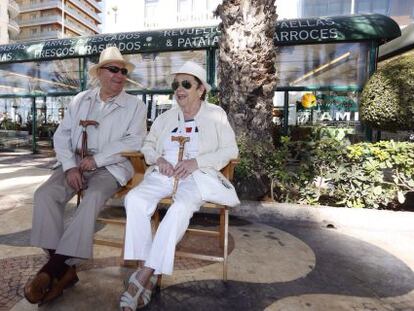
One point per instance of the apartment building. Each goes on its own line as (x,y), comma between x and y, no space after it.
(51,19)
(9,29)
(140,15)
(402,11)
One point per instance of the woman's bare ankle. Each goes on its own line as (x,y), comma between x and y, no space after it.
(144,276)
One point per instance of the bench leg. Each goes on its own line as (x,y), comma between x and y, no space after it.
(222,226)
(226,242)
(123,262)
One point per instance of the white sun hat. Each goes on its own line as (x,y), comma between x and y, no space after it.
(194,69)
(109,55)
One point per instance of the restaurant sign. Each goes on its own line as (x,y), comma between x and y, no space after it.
(294,32)
(128,43)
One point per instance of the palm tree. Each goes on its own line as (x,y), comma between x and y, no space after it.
(246,69)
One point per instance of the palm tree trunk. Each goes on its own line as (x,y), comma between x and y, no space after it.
(246,69)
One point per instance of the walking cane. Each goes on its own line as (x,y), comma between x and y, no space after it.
(84,147)
(181,140)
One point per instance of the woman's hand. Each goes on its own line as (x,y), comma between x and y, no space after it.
(184,168)
(165,167)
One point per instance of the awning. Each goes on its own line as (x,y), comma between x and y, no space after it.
(375,27)
(399,45)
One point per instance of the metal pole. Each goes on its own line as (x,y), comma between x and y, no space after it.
(286,113)
(372,66)
(34,127)
(211,66)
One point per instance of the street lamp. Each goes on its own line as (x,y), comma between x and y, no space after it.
(115,9)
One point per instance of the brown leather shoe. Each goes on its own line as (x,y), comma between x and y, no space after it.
(69,279)
(35,290)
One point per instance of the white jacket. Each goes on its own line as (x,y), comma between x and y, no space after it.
(122,128)
(216,140)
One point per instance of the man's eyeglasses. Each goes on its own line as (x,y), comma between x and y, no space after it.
(185,84)
(115,69)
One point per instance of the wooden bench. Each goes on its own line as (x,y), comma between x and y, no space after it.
(138,162)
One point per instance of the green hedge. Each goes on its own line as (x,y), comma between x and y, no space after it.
(387,101)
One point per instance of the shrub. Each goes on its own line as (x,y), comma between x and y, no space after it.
(250,171)
(326,170)
(387,101)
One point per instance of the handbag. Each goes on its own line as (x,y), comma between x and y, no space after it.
(215,188)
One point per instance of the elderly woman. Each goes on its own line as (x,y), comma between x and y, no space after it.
(211,144)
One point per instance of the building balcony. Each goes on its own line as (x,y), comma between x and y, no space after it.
(41,20)
(13,28)
(41,6)
(44,35)
(57,4)
(53,20)
(13,9)
(95,5)
(76,29)
(81,19)
(85,9)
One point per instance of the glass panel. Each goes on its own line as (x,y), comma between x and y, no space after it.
(330,108)
(336,64)
(40,77)
(380,7)
(321,108)
(312,8)
(152,70)
(363,6)
(16,120)
(372,6)
(315,9)
(15,126)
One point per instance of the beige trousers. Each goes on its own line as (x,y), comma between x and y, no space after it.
(50,199)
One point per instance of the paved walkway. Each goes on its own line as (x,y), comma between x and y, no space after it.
(283,257)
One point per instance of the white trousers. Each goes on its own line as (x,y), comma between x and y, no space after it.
(140,204)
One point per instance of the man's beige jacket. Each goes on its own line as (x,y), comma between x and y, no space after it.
(122,128)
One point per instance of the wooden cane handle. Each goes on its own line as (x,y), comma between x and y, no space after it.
(181,140)
(86,123)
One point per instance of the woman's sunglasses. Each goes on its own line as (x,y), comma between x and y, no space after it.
(115,69)
(185,84)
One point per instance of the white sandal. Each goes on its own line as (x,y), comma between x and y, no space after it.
(132,302)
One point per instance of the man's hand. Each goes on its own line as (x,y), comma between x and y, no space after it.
(87,164)
(184,168)
(74,178)
(165,167)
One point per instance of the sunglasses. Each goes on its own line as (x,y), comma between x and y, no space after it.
(185,84)
(115,69)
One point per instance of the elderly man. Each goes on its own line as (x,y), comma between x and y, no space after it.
(118,124)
